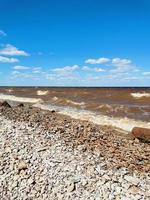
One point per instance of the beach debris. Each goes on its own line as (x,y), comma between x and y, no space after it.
(143,134)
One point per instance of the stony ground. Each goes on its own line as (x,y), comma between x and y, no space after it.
(51,157)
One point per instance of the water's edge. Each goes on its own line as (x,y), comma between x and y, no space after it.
(124,123)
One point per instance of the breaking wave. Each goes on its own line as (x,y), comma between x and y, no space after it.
(75,103)
(9,90)
(42,93)
(19,99)
(125,124)
(55,98)
(139,95)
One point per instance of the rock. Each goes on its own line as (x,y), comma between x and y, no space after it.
(143,134)
(20,105)
(71,187)
(132,180)
(134,190)
(84,182)
(5,104)
(76,179)
(22,166)
(53,111)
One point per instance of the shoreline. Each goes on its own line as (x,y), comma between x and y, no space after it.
(112,115)
(75,159)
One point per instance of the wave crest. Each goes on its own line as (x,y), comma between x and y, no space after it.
(139,95)
(19,99)
(75,103)
(42,93)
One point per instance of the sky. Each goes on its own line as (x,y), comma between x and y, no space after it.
(75,43)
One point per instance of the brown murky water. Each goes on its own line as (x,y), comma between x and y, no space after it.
(132,103)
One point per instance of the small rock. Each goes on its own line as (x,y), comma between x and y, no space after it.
(71,187)
(134,190)
(84,182)
(131,179)
(53,111)
(5,104)
(20,105)
(22,166)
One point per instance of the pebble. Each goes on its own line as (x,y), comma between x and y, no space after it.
(71,187)
(22,166)
(132,180)
(52,165)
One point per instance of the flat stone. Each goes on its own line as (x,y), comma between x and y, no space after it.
(131,179)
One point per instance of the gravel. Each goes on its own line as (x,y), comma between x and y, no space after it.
(57,158)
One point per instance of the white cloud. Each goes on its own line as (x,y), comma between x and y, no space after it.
(66,69)
(121,62)
(11,50)
(23,75)
(37,70)
(20,67)
(97,61)
(131,78)
(121,71)
(123,66)
(8,60)
(146,73)
(15,72)
(2,33)
(95,69)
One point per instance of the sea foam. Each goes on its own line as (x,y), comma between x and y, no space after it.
(139,95)
(125,124)
(75,103)
(42,93)
(19,99)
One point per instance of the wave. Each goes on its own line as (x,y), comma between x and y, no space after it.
(55,98)
(125,124)
(19,99)
(112,108)
(9,90)
(75,103)
(140,95)
(42,93)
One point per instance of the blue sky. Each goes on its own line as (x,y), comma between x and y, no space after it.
(75,42)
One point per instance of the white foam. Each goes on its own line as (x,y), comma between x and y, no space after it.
(42,93)
(9,90)
(55,98)
(75,103)
(140,95)
(19,99)
(125,124)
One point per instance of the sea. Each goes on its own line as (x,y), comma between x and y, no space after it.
(120,107)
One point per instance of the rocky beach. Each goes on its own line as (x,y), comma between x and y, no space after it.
(48,156)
